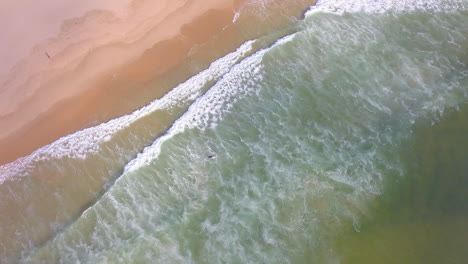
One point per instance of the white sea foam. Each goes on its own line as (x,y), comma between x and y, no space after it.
(240,81)
(381,6)
(286,39)
(80,144)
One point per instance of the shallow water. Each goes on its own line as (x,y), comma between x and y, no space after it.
(344,142)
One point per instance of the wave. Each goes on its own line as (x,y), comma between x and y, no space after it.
(382,6)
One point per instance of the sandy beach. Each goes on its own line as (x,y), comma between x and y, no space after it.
(69,65)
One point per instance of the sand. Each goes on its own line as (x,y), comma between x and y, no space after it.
(91,44)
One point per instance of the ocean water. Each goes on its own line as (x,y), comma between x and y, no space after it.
(342,139)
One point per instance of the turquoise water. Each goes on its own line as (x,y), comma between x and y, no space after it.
(342,143)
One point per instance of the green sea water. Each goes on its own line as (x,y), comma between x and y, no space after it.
(345,142)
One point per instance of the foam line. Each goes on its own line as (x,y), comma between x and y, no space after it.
(382,6)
